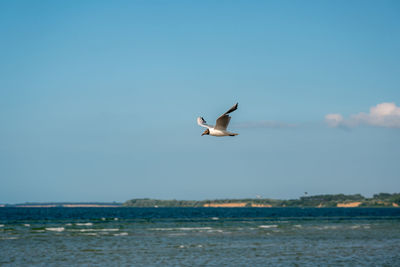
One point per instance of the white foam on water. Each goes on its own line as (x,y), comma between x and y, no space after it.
(55,229)
(182,229)
(84,224)
(83,230)
(95,230)
(27,224)
(181,246)
(215,231)
(268,226)
(109,230)
(193,228)
(121,234)
(214,218)
(298,226)
(116,219)
(1,225)
(355,226)
(103,219)
(326,227)
(9,238)
(367,227)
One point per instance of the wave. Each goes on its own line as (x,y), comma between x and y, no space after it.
(55,229)
(190,246)
(326,227)
(84,224)
(9,238)
(193,228)
(182,229)
(108,229)
(215,231)
(268,226)
(121,234)
(95,230)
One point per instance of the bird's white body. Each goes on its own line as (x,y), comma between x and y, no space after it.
(220,133)
(220,127)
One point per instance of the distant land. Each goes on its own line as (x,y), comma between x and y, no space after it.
(338,200)
(64,205)
(318,201)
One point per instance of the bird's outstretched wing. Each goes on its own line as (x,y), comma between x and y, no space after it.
(202,122)
(224,119)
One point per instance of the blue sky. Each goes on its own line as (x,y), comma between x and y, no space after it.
(99,99)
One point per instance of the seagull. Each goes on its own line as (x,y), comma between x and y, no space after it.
(220,126)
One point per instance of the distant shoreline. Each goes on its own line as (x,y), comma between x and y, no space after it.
(384,200)
(63,205)
(317,201)
(213,206)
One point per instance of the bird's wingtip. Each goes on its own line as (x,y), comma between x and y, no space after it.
(201,120)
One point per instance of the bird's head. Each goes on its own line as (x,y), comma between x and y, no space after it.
(206,132)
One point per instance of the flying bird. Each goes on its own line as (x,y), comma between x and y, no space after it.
(220,126)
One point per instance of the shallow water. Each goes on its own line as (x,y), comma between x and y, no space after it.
(199,236)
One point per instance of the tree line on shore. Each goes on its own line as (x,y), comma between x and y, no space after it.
(378,200)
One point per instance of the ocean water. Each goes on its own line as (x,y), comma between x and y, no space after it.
(199,237)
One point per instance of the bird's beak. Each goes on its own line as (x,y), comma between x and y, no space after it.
(205,132)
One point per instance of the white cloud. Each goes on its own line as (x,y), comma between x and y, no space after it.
(333,120)
(382,115)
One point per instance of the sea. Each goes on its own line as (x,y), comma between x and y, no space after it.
(199,236)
